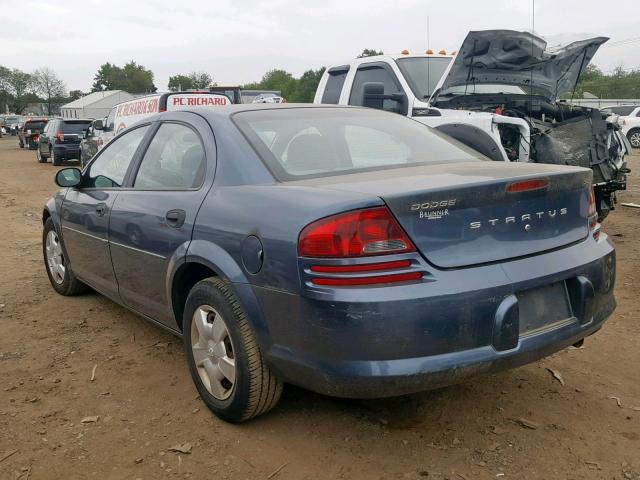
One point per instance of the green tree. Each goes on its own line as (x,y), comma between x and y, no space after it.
(195,80)
(132,78)
(75,94)
(369,52)
(47,83)
(19,84)
(180,82)
(306,86)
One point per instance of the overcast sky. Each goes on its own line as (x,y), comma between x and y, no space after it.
(238,40)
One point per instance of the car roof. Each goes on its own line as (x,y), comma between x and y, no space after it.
(229,110)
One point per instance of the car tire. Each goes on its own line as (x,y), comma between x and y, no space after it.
(59,272)
(634,137)
(220,343)
(55,159)
(41,158)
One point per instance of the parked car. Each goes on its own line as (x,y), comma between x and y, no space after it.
(499,95)
(29,134)
(91,141)
(628,117)
(60,140)
(350,251)
(13,123)
(268,98)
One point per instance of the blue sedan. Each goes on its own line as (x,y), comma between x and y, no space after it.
(350,251)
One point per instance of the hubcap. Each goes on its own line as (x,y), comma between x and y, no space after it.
(55,259)
(213,352)
(635,140)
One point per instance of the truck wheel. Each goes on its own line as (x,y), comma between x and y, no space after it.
(634,137)
(223,355)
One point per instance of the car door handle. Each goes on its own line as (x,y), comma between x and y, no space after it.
(175,218)
(101,208)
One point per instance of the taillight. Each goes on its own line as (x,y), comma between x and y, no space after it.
(527,185)
(592,215)
(372,231)
(60,137)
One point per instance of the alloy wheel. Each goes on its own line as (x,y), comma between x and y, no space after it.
(213,352)
(55,258)
(634,139)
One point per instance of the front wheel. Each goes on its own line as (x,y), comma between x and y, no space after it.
(634,137)
(59,272)
(223,355)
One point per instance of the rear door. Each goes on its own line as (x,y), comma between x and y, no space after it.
(152,220)
(85,212)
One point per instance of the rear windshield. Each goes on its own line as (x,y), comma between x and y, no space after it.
(36,125)
(71,126)
(313,142)
(623,111)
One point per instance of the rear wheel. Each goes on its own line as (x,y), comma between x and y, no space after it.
(59,272)
(634,137)
(55,159)
(223,355)
(41,158)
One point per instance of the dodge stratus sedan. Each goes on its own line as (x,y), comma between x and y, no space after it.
(350,251)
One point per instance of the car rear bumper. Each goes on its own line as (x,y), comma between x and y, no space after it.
(397,340)
(71,150)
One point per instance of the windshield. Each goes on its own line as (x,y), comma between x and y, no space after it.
(423,73)
(11,119)
(75,127)
(310,142)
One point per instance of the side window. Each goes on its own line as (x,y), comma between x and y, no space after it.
(334,85)
(376,74)
(111,120)
(110,167)
(175,160)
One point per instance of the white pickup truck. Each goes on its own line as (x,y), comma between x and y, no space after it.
(499,95)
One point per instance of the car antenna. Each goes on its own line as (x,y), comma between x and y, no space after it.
(533,29)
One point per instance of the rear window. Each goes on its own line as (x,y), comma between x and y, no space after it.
(36,125)
(333,88)
(75,127)
(313,142)
(623,111)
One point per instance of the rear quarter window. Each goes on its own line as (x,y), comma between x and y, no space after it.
(333,88)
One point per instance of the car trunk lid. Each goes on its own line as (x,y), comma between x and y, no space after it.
(471,213)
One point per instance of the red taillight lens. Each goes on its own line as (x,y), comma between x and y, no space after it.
(592,215)
(353,281)
(60,137)
(591,210)
(527,185)
(373,231)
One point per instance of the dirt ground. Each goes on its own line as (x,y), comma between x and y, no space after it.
(518,424)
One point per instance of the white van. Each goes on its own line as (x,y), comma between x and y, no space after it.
(125,114)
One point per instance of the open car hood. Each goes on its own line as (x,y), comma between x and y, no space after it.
(521,59)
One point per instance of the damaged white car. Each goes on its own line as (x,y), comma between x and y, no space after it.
(501,95)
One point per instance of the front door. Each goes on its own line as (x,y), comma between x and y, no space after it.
(85,213)
(152,221)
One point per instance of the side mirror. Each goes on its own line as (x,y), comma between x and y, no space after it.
(68,177)
(374,96)
(98,125)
